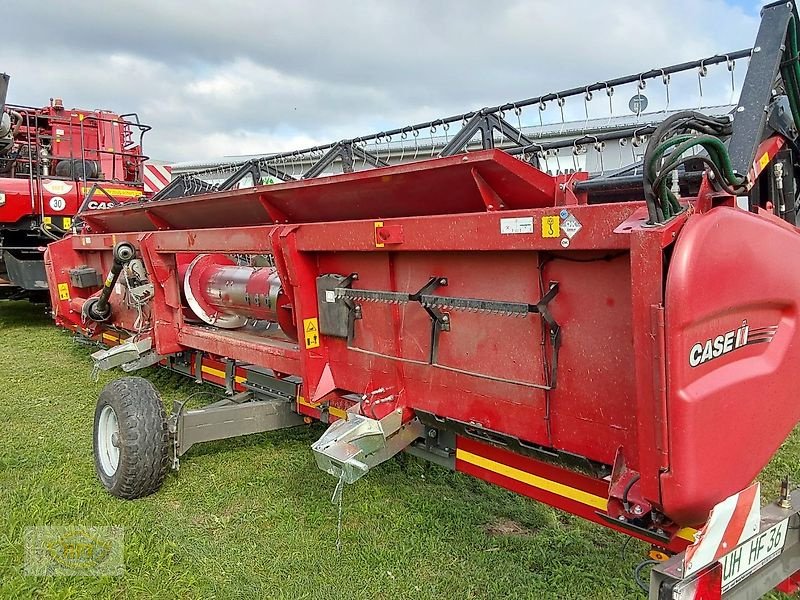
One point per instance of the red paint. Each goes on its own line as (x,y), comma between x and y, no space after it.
(631,304)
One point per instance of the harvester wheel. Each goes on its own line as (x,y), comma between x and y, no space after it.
(131,439)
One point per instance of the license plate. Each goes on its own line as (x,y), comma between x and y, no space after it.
(753,554)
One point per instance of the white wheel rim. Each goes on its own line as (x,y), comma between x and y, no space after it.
(107,432)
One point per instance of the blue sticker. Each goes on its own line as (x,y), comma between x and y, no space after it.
(564,213)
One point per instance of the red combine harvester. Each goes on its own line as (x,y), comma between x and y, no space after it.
(53,162)
(618,345)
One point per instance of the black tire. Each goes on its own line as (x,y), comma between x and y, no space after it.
(142,441)
(76,168)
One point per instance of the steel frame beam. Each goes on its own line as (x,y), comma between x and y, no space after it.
(232,417)
(752,112)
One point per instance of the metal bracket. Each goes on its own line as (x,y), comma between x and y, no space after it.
(486,123)
(350,448)
(348,152)
(231,417)
(117,356)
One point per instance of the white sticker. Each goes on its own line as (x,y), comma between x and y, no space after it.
(330,296)
(58,203)
(516,225)
(565,242)
(59,188)
(570,226)
(59,132)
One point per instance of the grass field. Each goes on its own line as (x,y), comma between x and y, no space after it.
(252,518)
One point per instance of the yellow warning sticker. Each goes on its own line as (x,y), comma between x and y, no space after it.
(763,161)
(63,291)
(117,192)
(311,329)
(378,243)
(551,226)
(67,222)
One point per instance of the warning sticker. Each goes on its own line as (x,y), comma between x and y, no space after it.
(551,226)
(571,226)
(63,291)
(311,329)
(518,225)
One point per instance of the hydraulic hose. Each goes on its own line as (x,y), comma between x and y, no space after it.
(99,309)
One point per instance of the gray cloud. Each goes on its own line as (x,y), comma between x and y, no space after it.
(243,76)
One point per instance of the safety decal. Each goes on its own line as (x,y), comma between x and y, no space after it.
(311,329)
(116,192)
(63,291)
(570,226)
(516,226)
(551,226)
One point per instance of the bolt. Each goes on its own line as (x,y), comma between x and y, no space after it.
(115,439)
(637,510)
(432,433)
(740,109)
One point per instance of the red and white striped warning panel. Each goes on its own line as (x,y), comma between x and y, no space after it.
(156,177)
(732,521)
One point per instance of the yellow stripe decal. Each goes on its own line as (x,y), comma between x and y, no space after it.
(221,374)
(111,338)
(122,193)
(533,480)
(336,412)
(687,533)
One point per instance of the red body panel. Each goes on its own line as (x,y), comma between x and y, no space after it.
(728,415)
(624,393)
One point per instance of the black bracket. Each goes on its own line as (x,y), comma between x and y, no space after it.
(486,123)
(256,170)
(440,321)
(348,152)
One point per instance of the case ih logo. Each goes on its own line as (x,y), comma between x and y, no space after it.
(712,348)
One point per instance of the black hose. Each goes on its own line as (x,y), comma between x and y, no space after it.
(627,489)
(637,574)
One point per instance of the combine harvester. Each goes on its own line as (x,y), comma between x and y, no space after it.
(53,162)
(620,346)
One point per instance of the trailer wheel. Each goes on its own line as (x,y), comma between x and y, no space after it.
(131,439)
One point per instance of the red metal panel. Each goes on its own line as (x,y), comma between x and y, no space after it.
(403,190)
(731,409)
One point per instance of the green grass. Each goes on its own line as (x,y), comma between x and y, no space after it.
(252,518)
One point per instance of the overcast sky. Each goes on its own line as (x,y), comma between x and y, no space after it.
(221,78)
